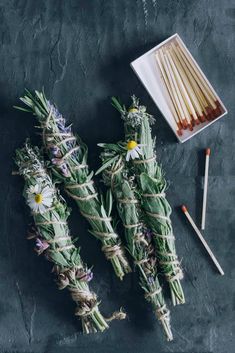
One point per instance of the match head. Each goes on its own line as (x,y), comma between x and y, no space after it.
(184,208)
(208,151)
(216,112)
(209,113)
(180,126)
(185,124)
(190,126)
(202,118)
(217,103)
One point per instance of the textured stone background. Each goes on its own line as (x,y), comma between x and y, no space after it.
(80,52)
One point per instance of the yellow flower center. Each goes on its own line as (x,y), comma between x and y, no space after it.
(133,110)
(131,145)
(38,198)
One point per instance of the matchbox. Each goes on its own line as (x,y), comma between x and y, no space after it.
(179,88)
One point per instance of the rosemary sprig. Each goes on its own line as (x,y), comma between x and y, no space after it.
(138,237)
(52,237)
(68,157)
(152,187)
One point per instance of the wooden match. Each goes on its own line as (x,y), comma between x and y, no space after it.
(188,84)
(183,92)
(210,97)
(173,86)
(175,109)
(191,99)
(186,116)
(197,231)
(207,159)
(194,81)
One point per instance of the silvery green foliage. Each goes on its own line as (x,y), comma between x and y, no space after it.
(151,181)
(52,238)
(139,239)
(68,161)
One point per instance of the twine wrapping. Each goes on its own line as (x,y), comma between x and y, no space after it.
(111,250)
(141,161)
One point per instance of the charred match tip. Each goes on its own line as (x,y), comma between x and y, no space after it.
(190,126)
(184,208)
(197,122)
(209,114)
(179,132)
(208,151)
(216,112)
(192,120)
(180,126)
(185,124)
(218,103)
(202,118)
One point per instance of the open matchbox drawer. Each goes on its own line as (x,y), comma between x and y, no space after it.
(151,76)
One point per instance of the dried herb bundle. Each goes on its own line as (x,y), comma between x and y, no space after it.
(152,186)
(52,237)
(68,156)
(138,237)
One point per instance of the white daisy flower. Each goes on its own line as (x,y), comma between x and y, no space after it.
(39,199)
(134,150)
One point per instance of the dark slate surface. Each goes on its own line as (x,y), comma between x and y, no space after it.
(80,52)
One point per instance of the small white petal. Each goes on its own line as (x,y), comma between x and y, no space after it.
(46,191)
(37,189)
(41,208)
(139,150)
(128,155)
(35,207)
(135,154)
(47,202)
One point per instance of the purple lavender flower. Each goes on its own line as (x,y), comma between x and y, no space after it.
(61,126)
(64,170)
(148,234)
(41,245)
(55,151)
(54,111)
(85,276)
(89,276)
(151,280)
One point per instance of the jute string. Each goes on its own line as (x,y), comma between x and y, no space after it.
(141,161)
(87,301)
(105,235)
(79,186)
(163,313)
(128,201)
(159,216)
(111,250)
(57,240)
(50,222)
(161,194)
(152,294)
(139,237)
(129,226)
(74,149)
(140,262)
